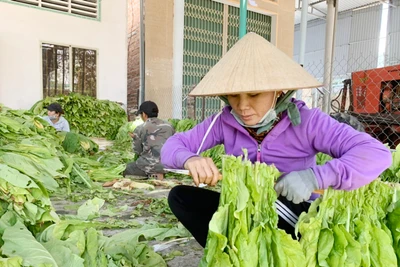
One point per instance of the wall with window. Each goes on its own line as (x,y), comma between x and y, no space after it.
(45,52)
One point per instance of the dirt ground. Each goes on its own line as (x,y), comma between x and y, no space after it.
(179,252)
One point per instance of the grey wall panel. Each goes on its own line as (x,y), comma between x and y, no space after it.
(365,24)
(393,49)
(340,60)
(343,30)
(314,63)
(363,55)
(393,40)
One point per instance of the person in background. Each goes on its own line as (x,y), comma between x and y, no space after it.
(256,80)
(55,118)
(148,140)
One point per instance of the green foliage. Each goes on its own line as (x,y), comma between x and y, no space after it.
(87,115)
(78,144)
(350,228)
(244,230)
(184,125)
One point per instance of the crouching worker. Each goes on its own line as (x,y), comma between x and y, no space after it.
(148,139)
(54,117)
(275,129)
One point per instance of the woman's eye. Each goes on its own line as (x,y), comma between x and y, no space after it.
(233,95)
(253,95)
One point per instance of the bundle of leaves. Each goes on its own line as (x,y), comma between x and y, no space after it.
(342,228)
(244,230)
(87,115)
(352,228)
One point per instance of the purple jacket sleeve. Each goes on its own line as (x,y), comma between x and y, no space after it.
(182,146)
(358,158)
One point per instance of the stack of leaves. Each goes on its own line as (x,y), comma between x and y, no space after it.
(393,223)
(87,115)
(350,228)
(244,231)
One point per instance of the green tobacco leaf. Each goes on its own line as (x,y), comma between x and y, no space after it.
(90,209)
(18,241)
(11,262)
(325,245)
(16,178)
(29,166)
(62,254)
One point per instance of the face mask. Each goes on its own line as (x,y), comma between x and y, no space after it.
(53,118)
(269,117)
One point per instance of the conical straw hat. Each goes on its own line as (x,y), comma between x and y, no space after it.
(254,65)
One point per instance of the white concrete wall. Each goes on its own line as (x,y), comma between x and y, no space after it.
(23,29)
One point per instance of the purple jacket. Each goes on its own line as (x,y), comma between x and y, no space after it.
(358,158)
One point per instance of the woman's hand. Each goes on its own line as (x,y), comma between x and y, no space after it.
(203,170)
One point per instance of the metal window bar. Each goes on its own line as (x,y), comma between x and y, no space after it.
(53,68)
(86,8)
(84,71)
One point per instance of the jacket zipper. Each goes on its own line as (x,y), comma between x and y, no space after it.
(259,152)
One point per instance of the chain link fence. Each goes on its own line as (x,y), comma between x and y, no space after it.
(366,97)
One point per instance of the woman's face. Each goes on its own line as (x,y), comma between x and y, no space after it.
(251,108)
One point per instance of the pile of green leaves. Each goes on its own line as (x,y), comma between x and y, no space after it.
(244,231)
(78,144)
(29,167)
(352,228)
(77,243)
(87,115)
(34,162)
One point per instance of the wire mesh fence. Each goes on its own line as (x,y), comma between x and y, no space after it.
(363,95)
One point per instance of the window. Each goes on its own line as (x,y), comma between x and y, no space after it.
(86,8)
(57,63)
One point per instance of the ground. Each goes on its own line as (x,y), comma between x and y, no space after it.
(126,208)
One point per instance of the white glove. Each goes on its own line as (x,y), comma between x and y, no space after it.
(297,186)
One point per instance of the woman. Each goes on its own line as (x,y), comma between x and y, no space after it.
(54,117)
(275,129)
